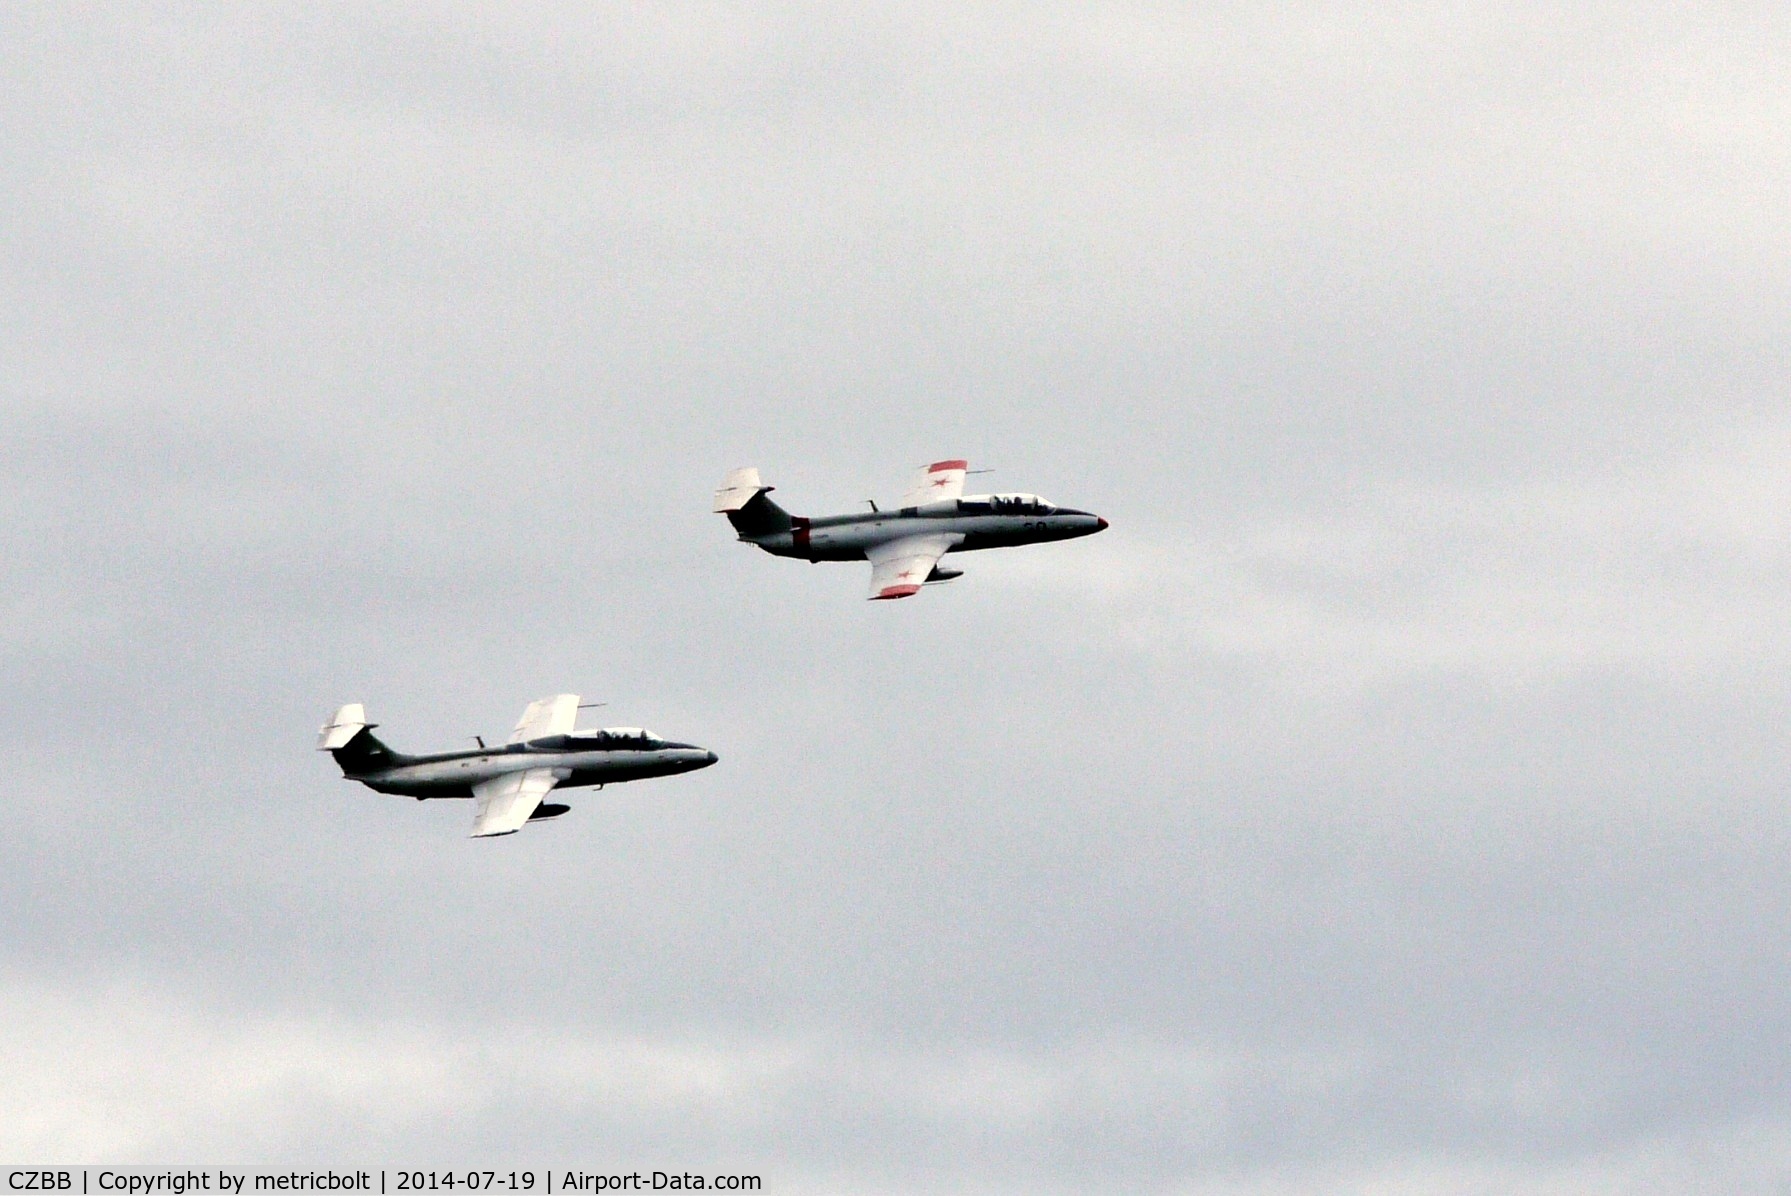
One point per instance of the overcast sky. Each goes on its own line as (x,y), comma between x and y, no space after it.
(1393,799)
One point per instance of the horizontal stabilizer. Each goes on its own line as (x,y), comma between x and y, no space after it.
(737,489)
(343,726)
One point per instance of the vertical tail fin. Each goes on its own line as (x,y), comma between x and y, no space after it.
(348,736)
(344,725)
(742,499)
(740,487)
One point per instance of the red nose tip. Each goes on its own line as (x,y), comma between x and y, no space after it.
(1100,524)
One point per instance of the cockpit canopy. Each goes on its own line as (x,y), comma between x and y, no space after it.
(598,739)
(1004,504)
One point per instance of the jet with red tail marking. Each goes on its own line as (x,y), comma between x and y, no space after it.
(906,543)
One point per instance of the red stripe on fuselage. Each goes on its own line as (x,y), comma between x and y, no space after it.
(799,530)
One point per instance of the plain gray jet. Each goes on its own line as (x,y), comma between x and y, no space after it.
(903,545)
(544,752)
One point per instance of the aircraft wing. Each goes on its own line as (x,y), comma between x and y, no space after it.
(506,802)
(940,480)
(900,567)
(548,716)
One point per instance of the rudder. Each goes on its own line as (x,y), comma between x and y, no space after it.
(742,499)
(348,736)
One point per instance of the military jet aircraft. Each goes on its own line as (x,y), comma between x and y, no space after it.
(903,545)
(544,752)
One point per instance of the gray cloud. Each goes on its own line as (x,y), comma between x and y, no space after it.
(1392,798)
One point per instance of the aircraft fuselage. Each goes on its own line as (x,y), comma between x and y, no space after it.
(453,774)
(849,537)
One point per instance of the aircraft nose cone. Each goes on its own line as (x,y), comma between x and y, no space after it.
(1100,524)
(708,759)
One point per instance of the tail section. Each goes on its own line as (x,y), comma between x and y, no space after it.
(348,736)
(742,499)
(343,726)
